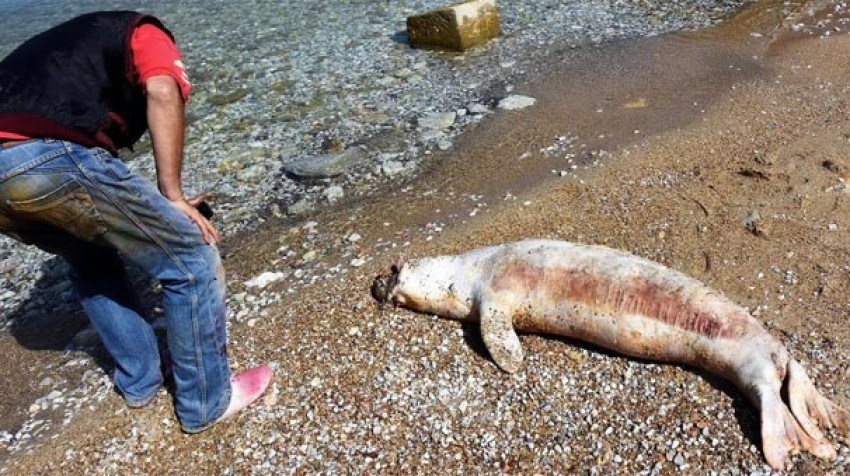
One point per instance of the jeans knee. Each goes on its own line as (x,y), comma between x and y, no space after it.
(209,270)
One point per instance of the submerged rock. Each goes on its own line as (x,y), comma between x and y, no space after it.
(437,120)
(325,166)
(334,193)
(300,207)
(391,168)
(228,98)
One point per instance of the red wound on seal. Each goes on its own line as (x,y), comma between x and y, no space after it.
(632,295)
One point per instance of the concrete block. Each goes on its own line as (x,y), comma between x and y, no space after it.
(457,27)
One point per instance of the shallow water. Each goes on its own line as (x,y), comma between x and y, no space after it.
(276,81)
(271,57)
(600,99)
(279,80)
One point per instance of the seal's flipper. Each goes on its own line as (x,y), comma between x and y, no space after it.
(784,433)
(497,330)
(812,410)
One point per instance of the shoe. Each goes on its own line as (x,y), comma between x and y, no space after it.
(140,404)
(246,387)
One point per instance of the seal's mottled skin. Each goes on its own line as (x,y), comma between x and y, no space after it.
(627,304)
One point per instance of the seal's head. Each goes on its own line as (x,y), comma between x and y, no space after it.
(384,284)
(429,285)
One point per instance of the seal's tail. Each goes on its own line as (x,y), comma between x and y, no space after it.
(782,435)
(787,429)
(814,411)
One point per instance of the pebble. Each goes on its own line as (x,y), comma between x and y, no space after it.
(479,109)
(515,102)
(264,279)
(437,120)
(334,193)
(752,221)
(391,168)
(300,207)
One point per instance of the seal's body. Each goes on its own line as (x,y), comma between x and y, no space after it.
(627,304)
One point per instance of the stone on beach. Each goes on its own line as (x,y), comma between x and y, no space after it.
(516,102)
(391,168)
(326,165)
(457,27)
(264,279)
(333,193)
(437,120)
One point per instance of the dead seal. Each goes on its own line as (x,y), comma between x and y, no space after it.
(626,304)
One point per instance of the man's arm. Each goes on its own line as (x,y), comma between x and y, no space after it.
(166,124)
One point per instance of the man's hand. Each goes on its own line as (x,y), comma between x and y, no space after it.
(188,206)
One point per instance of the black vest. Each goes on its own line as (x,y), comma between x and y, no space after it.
(77,82)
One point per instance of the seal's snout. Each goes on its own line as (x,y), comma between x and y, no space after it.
(379,289)
(383,285)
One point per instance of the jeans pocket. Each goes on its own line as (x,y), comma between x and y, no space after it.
(68,207)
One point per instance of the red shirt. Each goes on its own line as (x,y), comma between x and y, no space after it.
(154,54)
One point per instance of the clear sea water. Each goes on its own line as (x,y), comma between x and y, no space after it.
(21,19)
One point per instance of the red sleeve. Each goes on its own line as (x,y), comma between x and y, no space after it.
(155,54)
(12,136)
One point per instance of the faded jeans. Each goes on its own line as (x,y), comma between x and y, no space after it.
(88,207)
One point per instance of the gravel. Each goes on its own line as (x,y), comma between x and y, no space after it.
(287,86)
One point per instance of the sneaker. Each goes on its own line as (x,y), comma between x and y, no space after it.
(136,405)
(246,387)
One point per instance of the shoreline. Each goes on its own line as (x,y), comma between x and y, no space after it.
(289,84)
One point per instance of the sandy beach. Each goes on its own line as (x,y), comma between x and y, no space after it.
(724,154)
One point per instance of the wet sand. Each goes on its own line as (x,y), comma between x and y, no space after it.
(697,134)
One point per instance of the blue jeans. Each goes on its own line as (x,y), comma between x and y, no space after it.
(86,206)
